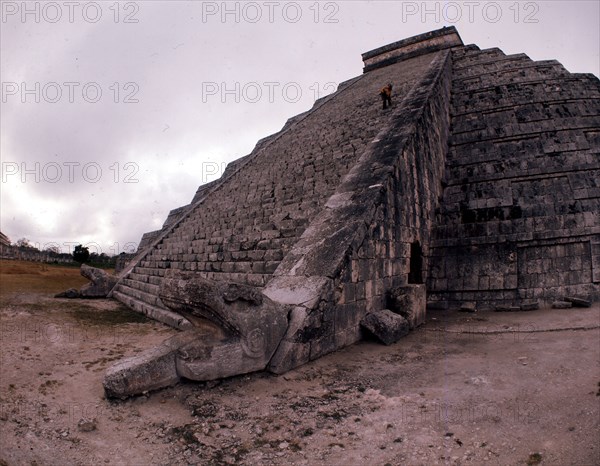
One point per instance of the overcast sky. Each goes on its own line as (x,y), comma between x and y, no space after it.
(112,114)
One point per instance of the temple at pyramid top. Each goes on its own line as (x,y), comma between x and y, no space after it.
(475,184)
(405,49)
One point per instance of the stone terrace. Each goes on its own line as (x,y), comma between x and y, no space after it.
(520,216)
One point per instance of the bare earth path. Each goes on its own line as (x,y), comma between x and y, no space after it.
(464,389)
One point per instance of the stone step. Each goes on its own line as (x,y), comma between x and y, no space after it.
(491,134)
(478,68)
(524,67)
(140,295)
(150,271)
(139,277)
(256,274)
(480,86)
(163,315)
(484,54)
(142,286)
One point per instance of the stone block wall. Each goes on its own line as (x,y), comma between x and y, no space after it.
(8,251)
(405,217)
(410,196)
(521,210)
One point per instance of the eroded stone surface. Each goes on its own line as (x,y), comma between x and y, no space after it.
(386,325)
(410,302)
(152,369)
(236,331)
(101,282)
(562,305)
(530,306)
(578,301)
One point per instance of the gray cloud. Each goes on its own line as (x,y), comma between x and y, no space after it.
(152,154)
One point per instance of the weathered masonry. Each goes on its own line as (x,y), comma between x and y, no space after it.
(481,184)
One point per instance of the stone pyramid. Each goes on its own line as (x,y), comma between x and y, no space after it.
(479,186)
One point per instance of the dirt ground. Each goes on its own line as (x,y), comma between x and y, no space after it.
(464,389)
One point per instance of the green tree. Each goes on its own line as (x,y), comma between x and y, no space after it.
(53,248)
(23,243)
(81,254)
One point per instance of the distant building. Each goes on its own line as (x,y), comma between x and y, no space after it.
(4,240)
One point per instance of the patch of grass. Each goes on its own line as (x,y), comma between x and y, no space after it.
(36,277)
(47,385)
(206,409)
(186,433)
(337,415)
(307,432)
(295,446)
(534,458)
(260,442)
(87,314)
(122,315)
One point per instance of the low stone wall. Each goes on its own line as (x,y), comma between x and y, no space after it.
(16,253)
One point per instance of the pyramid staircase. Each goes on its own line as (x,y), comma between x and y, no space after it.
(241,228)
